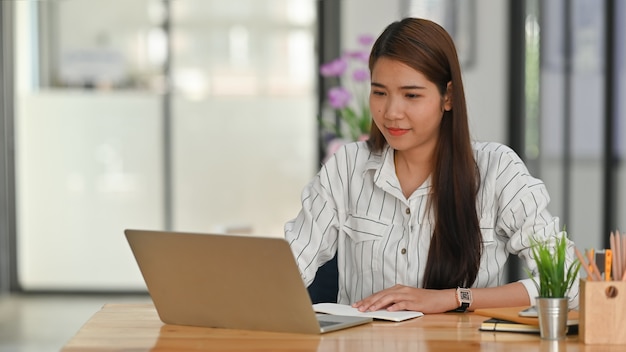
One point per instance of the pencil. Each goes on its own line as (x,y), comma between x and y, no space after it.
(621,238)
(620,256)
(584,265)
(592,258)
(596,270)
(616,245)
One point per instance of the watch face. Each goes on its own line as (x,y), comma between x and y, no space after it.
(465,296)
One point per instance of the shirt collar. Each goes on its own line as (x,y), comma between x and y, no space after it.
(385,174)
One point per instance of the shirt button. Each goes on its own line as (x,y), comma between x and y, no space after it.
(403,251)
(408,210)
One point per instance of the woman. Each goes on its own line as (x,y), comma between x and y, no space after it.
(421,217)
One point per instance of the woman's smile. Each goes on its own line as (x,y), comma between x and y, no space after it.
(397,131)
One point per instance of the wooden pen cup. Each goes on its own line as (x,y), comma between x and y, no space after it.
(602,318)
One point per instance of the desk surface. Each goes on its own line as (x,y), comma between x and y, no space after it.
(137,327)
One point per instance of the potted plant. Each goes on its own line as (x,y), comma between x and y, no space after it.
(554,283)
(347,98)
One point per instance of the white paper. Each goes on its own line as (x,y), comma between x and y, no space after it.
(342,309)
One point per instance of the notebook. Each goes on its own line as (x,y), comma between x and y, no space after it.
(383,314)
(513,314)
(226,281)
(495,324)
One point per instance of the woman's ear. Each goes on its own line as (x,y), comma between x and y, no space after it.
(447,98)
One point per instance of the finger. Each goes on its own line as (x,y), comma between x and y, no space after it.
(370,303)
(380,300)
(402,305)
(384,301)
(402,300)
(366,302)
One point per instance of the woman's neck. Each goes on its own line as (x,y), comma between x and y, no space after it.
(412,169)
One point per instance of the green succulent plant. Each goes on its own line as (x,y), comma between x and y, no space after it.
(554,280)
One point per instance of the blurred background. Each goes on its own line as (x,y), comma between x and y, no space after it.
(203,116)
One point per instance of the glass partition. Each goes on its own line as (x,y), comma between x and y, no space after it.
(572,107)
(101,140)
(620,114)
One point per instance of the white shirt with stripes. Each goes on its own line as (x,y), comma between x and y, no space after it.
(355,207)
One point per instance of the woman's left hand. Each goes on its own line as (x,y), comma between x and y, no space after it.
(400,297)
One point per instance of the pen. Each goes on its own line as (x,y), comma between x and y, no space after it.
(608,261)
(596,271)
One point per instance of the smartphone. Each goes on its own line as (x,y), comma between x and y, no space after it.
(529,312)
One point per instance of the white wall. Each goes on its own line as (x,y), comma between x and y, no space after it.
(485,78)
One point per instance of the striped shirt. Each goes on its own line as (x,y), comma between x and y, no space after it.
(355,207)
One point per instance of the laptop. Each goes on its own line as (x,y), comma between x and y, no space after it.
(226,281)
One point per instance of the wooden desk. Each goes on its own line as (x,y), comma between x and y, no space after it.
(137,327)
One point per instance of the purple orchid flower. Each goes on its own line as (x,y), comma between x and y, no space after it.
(339,97)
(334,68)
(360,55)
(360,75)
(356,118)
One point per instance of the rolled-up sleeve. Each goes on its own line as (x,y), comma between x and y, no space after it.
(523,218)
(312,235)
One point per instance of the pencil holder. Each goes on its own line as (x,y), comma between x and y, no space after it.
(602,312)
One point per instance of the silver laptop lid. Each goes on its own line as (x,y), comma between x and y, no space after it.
(214,280)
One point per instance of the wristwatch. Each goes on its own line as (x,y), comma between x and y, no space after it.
(464,298)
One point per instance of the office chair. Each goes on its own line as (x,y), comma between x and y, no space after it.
(325,287)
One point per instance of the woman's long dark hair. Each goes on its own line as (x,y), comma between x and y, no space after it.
(456,244)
